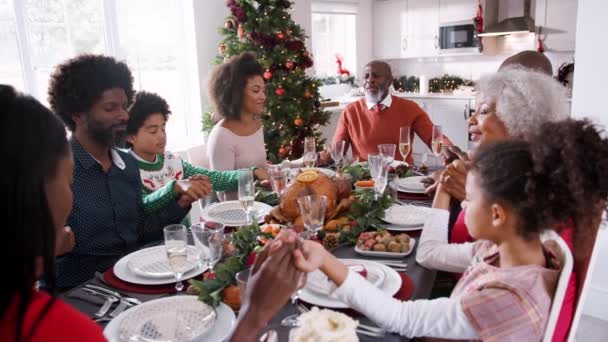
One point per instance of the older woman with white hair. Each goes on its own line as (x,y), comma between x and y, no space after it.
(511,103)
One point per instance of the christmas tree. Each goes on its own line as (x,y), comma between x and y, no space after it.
(293,109)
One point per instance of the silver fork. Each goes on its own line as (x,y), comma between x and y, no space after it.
(361,328)
(120,308)
(109,292)
(106,305)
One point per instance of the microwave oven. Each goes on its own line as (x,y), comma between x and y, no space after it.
(458,36)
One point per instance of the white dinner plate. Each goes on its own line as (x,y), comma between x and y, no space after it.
(122,271)
(231,213)
(318,282)
(406,216)
(386,254)
(413,189)
(224,321)
(153,263)
(410,183)
(390,286)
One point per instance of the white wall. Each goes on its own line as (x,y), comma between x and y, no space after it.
(588,100)
(364,34)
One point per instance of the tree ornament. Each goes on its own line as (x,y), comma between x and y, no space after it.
(286,3)
(307,94)
(298,122)
(282,151)
(289,65)
(267,75)
(280,35)
(317,104)
(228,24)
(221,48)
(305,54)
(240,31)
(280,91)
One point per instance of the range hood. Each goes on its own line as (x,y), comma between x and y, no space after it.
(523,24)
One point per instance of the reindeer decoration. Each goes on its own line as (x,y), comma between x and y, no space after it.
(341,71)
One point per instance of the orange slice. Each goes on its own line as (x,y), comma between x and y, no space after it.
(307,177)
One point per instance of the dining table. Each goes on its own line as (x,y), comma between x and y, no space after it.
(421,278)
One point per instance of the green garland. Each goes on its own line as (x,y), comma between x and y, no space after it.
(337,80)
(409,84)
(447,83)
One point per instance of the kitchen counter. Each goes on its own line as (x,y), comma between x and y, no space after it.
(345,100)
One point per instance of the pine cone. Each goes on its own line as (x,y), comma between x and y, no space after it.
(331,240)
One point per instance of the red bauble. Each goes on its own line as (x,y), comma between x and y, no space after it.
(305,54)
(280,91)
(267,75)
(228,24)
(280,35)
(221,48)
(298,122)
(282,151)
(307,94)
(289,65)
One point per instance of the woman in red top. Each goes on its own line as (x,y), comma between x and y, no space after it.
(36,181)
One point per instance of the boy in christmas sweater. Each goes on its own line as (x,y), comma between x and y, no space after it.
(159,169)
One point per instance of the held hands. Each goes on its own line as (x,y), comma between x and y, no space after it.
(192,189)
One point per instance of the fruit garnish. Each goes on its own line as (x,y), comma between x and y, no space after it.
(365,183)
(307,177)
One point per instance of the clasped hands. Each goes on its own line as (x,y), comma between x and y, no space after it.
(452,178)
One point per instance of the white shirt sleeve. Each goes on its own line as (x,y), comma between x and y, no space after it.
(435,252)
(442,317)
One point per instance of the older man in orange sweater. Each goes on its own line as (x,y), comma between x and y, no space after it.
(376,119)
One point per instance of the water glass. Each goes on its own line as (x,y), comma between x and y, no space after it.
(312,208)
(336,150)
(246,192)
(278,178)
(176,246)
(388,151)
(209,241)
(378,168)
(310,145)
(241,280)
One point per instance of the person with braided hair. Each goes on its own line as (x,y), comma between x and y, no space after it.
(512,197)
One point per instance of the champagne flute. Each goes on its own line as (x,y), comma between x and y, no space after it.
(405,146)
(337,151)
(246,192)
(309,159)
(208,239)
(176,246)
(312,208)
(437,140)
(378,168)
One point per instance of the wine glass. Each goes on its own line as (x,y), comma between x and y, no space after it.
(405,146)
(378,168)
(312,208)
(388,151)
(278,178)
(246,192)
(437,140)
(309,159)
(176,246)
(208,239)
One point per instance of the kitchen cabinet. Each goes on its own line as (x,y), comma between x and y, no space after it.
(452,114)
(422,28)
(389,28)
(557,19)
(457,10)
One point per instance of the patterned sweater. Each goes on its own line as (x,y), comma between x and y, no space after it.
(159,177)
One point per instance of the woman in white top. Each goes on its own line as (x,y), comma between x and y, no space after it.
(510,276)
(237,90)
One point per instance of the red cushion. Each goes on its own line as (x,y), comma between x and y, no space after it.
(460,233)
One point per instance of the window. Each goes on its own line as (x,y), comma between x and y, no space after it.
(150,35)
(333,32)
